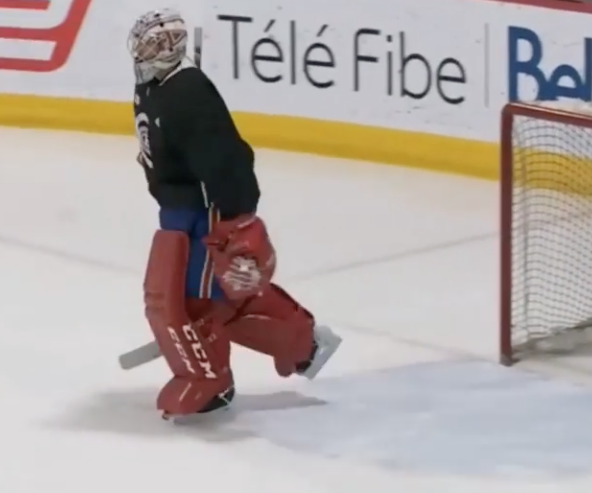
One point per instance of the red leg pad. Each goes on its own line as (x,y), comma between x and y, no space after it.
(196,348)
(273,323)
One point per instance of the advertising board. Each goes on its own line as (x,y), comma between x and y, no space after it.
(397,66)
(314,59)
(406,81)
(543,66)
(41,36)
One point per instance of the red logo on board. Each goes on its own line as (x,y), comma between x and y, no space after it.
(26,45)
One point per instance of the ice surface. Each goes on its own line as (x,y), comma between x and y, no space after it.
(401,263)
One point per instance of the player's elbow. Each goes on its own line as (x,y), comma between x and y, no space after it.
(231,182)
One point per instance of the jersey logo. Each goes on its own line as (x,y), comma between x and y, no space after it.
(143,135)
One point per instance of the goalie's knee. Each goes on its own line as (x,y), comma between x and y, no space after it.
(164,281)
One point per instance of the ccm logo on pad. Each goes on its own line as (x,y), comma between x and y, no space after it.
(38,35)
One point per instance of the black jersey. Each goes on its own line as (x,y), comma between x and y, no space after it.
(191,151)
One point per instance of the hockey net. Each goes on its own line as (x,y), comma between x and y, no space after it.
(546,229)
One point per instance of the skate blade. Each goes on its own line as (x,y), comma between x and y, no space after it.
(225,402)
(198,418)
(328,343)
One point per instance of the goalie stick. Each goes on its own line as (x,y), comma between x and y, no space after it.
(140,356)
(328,342)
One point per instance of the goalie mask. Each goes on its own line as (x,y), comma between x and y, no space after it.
(157,43)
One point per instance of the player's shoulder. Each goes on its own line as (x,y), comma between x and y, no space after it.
(185,80)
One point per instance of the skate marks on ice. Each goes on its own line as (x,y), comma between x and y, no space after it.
(133,412)
(463,418)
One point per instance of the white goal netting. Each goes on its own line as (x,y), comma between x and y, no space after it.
(551,227)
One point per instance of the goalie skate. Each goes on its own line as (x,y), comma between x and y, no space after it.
(222,402)
(326,343)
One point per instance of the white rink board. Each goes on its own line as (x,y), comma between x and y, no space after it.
(427,67)
(473,54)
(362,50)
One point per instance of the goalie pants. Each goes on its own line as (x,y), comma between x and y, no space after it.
(200,281)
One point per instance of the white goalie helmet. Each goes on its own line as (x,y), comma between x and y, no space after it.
(157,43)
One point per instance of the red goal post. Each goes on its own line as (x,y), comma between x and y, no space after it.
(546,229)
